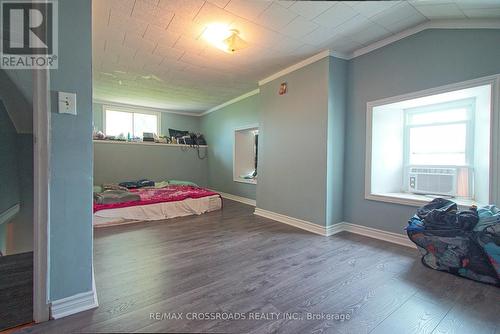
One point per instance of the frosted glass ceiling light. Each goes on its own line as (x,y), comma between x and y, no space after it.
(223,38)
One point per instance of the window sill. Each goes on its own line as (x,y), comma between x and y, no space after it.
(119,142)
(414,199)
(249,181)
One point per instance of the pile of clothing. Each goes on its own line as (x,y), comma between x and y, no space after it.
(137,184)
(465,243)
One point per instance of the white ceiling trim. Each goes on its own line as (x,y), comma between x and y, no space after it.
(143,108)
(438,24)
(295,67)
(225,104)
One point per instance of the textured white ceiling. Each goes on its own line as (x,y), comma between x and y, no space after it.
(150,52)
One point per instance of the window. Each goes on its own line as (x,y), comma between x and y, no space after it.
(439,135)
(436,143)
(245,161)
(126,123)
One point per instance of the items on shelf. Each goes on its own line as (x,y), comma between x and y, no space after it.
(177,137)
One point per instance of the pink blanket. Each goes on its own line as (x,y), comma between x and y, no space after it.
(153,196)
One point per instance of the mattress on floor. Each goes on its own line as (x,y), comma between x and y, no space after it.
(158,211)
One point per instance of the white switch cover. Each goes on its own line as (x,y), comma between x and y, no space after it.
(67,103)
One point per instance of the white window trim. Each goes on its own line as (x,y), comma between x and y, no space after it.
(241,128)
(145,111)
(469,123)
(418,200)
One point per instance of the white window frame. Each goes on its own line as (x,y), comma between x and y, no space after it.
(494,158)
(131,110)
(467,104)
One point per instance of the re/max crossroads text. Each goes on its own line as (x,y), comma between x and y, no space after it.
(248,316)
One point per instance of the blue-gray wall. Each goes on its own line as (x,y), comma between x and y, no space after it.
(16,161)
(114,163)
(162,162)
(17,94)
(9,177)
(428,59)
(337,109)
(71,156)
(168,120)
(293,144)
(22,224)
(218,128)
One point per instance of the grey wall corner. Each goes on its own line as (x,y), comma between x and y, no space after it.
(292,154)
(337,109)
(218,128)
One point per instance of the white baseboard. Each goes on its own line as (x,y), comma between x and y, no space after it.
(334,229)
(75,304)
(8,214)
(370,232)
(240,199)
(374,233)
(299,223)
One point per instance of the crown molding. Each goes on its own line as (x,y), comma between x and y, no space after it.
(295,67)
(144,108)
(437,24)
(236,99)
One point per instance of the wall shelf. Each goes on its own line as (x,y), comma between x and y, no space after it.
(141,143)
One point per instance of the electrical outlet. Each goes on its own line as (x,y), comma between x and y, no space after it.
(67,103)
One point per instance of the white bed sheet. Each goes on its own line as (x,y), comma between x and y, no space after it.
(159,211)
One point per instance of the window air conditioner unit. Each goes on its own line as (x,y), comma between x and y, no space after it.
(447,181)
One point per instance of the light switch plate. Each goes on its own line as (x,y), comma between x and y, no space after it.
(67,103)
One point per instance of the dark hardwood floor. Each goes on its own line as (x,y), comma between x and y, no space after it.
(16,290)
(234,262)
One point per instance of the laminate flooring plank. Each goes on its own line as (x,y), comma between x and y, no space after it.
(232,261)
(16,290)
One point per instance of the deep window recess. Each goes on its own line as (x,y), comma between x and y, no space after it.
(432,145)
(245,161)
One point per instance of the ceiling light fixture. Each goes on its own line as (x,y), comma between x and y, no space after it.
(223,38)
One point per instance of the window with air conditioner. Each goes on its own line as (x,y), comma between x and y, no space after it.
(438,149)
(437,143)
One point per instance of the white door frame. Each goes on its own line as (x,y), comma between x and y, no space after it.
(41,187)
(41,191)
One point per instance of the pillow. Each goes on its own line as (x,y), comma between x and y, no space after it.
(161,184)
(112,186)
(182,183)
